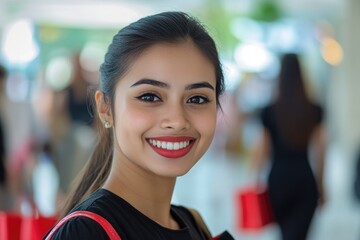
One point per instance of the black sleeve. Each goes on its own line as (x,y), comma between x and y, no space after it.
(80,228)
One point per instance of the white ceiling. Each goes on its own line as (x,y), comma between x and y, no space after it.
(115,12)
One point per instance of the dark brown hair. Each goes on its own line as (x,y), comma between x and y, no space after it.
(126,46)
(294,112)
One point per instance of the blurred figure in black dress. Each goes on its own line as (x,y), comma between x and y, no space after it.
(292,126)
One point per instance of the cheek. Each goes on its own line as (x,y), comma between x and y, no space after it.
(205,124)
(135,119)
(131,124)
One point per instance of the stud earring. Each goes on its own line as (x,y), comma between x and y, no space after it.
(107,124)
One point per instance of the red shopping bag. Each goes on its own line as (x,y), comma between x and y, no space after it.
(35,228)
(13,226)
(254,210)
(10,226)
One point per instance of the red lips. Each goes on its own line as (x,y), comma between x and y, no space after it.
(173,140)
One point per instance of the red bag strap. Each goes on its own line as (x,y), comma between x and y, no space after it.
(109,229)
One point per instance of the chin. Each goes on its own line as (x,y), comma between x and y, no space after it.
(178,172)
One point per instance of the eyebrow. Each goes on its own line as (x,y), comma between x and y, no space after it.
(160,84)
(151,82)
(199,85)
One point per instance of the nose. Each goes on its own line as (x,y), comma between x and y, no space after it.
(175,118)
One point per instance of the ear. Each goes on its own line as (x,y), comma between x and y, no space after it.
(103,107)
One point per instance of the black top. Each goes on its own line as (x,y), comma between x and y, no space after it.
(129,223)
(281,150)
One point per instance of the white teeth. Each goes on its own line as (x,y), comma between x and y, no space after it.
(176,146)
(169,145)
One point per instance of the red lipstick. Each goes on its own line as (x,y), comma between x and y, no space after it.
(172,146)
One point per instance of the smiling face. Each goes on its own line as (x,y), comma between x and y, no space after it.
(164,110)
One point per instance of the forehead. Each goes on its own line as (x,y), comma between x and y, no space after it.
(180,62)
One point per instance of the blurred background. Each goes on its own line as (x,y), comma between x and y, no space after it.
(52,50)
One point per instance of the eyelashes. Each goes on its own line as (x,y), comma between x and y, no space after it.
(198,100)
(153,98)
(149,97)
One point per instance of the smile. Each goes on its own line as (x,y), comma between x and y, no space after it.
(172,147)
(169,145)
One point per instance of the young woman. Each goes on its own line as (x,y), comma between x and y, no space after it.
(292,124)
(157,104)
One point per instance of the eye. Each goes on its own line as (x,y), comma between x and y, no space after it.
(149,97)
(198,100)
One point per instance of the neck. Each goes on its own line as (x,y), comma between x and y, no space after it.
(148,193)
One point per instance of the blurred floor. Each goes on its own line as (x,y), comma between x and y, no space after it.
(211,185)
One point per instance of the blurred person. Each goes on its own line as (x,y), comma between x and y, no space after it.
(157,107)
(293,127)
(77,92)
(80,137)
(4,201)
(71,124)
